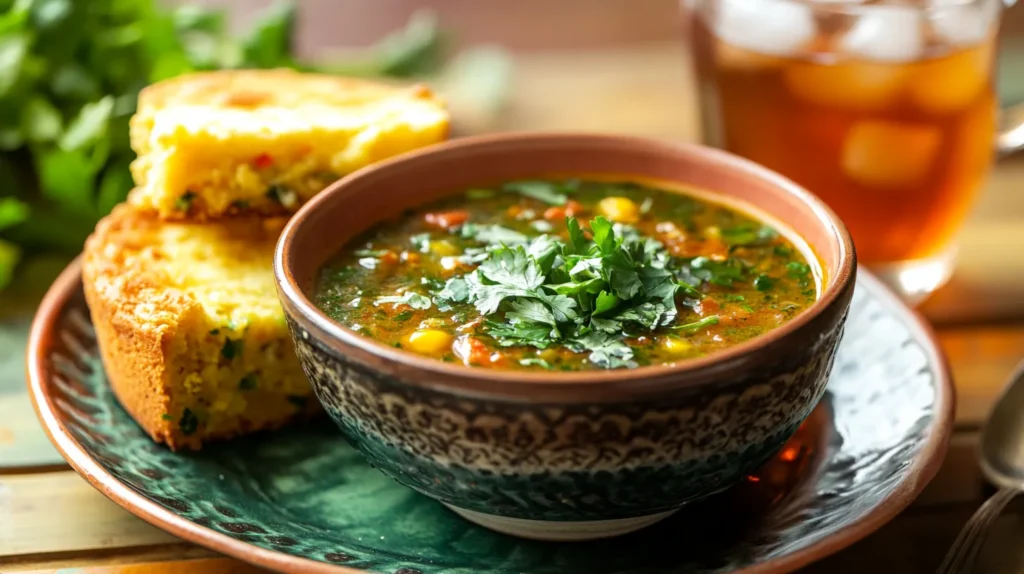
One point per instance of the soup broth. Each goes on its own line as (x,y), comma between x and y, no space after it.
(567,275)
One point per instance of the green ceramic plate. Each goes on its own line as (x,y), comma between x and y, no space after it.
(302,500)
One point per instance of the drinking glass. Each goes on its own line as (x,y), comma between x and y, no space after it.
(884,109)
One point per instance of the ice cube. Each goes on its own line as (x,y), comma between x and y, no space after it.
(952,83)
(890,155)
(963,24)
(771,27)
(853,85)
(886,34)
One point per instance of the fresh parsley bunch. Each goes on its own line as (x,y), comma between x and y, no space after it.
(587,294)
(70,74)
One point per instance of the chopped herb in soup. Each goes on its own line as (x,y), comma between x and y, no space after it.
(567,275)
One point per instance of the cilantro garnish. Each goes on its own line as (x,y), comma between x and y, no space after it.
(410,298)
(748,234)
(546,191)
(232,348)
(492,234)
(188,423)
(586,294)
(184,201)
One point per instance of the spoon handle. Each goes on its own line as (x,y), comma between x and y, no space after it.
(962,555)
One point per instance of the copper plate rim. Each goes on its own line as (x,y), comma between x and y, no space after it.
(921,471)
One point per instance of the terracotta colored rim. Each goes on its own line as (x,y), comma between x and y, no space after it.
(527,385)
(44,332)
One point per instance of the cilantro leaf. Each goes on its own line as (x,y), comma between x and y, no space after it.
(512,267)
(563,307)
(650,315)
(421,242)
(455,289)
(530,310)
(495,234)
(410,298)
(544,249)
(535,362)
(606,350)
(545,191)
(604,236)
(578,244)
(722,273)
(605,302)
(523,333)
(588,294)
(748,234)
(705,322)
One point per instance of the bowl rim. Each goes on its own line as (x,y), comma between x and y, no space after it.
(341,341)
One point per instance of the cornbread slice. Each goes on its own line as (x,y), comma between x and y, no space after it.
(217,143)
(189,326)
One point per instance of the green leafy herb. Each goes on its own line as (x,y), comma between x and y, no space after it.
(421,242)
(248,382)
(215,331)
(647,204)
(166,417)
(184,203)
(282,195)
(403,316)
(493,234)
(410,298)
(455,289)
(479,193)
(799,271)
(763,282)
(582,293)
(548,192)
(535,362)
(240,204)
(723,273)
(705,322)
(188,423)
(748,235)
(232,348)
(782,250)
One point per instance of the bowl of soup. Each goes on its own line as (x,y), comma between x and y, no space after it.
(563,336)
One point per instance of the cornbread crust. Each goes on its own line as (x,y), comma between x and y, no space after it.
(222,143)
(141,320)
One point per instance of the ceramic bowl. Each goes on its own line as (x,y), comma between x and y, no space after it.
(563,456)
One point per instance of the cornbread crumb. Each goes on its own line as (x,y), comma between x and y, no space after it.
(220,143)
(190,330)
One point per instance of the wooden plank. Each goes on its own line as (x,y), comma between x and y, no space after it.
(643,90)
(59,512)
(981,359)
(22,441)
(989,277)
(150,564)
(50,532)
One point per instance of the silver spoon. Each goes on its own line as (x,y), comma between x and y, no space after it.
(1002,461)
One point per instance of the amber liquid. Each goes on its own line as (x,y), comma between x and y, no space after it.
(899,151)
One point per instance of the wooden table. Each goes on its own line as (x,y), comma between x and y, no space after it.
(51,519)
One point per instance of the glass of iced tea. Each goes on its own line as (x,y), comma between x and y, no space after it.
(884,109)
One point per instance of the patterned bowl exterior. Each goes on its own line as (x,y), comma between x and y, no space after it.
(570,462)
